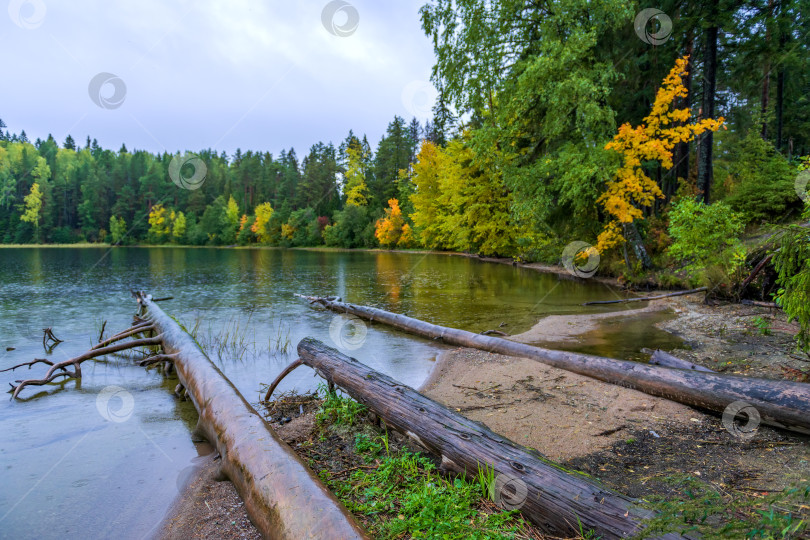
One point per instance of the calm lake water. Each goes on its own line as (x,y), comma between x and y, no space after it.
(106,456)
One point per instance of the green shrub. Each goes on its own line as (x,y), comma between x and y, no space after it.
(792,263)
(705,235)
(348,231)
(761,181)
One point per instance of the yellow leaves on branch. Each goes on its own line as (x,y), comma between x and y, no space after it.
(158,222)
(392,230)
(355,188)
(263,214)
(654,140)
(33,206)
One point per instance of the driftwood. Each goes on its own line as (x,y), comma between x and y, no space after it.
(558,501)
(661,358)
(757,269)
(783,404)
(772,305)
(283,497)
(61,369)
(645,298)
(48,337)
(281,375)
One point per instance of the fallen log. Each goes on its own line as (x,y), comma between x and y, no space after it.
(562,503)
(757,269)
(783,404)
(645,298)
(661,358)
(772,305)
(283,497)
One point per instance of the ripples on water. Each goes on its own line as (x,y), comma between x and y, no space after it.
(70,468)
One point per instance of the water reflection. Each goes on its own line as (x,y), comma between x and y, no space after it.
(69,472)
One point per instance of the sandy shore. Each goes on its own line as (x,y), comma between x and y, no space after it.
(561,414)
(628,439)
(207,508)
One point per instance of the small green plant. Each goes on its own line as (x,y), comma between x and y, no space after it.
(337,409)
(705,235)
(792,263)
(763,324)
(486,480)
(762,180)
(230,341)
(400,494)
(280,343)
(702,508)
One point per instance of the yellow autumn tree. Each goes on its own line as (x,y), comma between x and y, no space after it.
(355,188)
(263,214)
(178,227)
(392,230)
(631,190)
(158,224)
(33,208)
(461,201)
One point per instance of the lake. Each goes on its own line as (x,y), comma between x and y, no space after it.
(106,455)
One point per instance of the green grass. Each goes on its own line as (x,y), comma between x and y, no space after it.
(400,493)
(702,508)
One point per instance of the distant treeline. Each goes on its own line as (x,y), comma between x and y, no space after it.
(556,122)
(98,195)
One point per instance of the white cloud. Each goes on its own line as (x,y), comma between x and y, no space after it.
(258,75)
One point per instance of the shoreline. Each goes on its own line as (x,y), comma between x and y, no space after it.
(536,266)
(629,440)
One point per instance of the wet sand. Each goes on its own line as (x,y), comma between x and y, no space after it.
(629,439)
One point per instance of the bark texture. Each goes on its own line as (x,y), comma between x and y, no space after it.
(551,497)
(783,404)
(283,497)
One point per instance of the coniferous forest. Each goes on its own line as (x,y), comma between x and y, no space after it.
(553,124)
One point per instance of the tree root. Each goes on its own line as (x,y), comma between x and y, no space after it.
(61,369)
(155,358)
(29,364)
(47,335)
(122,335)
(281,375)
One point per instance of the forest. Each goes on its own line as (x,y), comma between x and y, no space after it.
(663,141)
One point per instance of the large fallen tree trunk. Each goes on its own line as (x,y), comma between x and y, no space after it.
(283,497)
(645,298)
(560,502)
(783,404)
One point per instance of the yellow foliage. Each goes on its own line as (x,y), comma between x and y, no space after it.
(263,214)
(406,238)
(355,178)
(287,231)
(654,139)
(391,228)
(158,223)
(33,206)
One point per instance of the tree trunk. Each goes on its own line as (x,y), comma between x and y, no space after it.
(548,495)
(783,404)
(780,104)
(283,497)
(766,74)
(705,170)
(633,236)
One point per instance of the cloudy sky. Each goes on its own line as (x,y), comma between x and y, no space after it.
(193,74)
